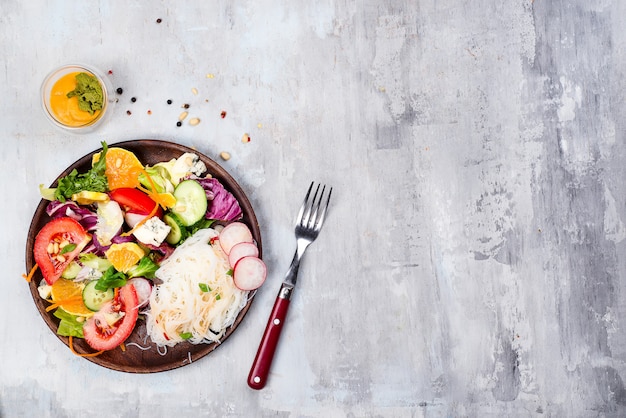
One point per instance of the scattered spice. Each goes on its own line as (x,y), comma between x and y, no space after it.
(128,112)
(159,20)
(149,111)
(194,121)
(223,114)
(183,115)
(179,123)
(259,125)
(119,90)
(185,106)
(194,91)
(110,72)
(169,101)
(225,155)
(210,75)
(245,138)
(133,99)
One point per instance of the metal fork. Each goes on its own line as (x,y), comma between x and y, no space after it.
(308,225)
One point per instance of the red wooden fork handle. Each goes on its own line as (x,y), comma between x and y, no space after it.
(265,354)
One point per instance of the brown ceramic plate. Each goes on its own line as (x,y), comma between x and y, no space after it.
(134,359)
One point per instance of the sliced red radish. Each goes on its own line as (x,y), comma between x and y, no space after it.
(249,273)
(243,249)
(133,218)
(233,234)
(143,287)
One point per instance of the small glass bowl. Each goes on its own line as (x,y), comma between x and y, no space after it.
(78,126)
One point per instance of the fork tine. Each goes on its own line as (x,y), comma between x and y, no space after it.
(308,213)
(320,220)
(313,219)
(300,216)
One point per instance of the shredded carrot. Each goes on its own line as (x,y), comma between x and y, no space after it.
(58,303)
(123,347)
(116,292)
(97,353)
(152,185)
(31,273)
(154,195)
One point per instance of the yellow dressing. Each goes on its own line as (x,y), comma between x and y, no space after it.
(64,109)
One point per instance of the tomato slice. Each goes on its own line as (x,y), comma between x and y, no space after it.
(51,246)
(134,200)
(100,334)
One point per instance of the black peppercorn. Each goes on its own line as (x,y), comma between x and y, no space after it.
(133,99)
(179,123)
(119,90)
(169,102)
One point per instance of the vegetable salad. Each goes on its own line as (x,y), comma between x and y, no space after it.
(101,250)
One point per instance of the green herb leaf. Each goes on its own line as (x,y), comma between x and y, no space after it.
(201,224)
(218,297)
(146,268)
(204,287)
(230,272)
(186,335)
(68,248)
(93,180)
(111,279)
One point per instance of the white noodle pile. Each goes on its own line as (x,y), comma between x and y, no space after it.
(180,306)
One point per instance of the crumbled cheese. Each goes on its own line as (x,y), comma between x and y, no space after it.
(153,231)
(188,163)
(45,290)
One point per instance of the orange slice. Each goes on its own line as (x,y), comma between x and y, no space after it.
(124,256)
(166,200)
(68,295)
(122,168)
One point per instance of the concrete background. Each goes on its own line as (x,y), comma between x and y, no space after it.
(473,260)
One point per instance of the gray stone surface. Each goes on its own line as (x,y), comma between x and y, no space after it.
(473,260)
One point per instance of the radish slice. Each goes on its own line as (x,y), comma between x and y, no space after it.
(249,273)
(143,287)
(243,249)
(233,234)
(133,218)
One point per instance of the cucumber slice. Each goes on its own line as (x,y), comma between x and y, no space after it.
(177,231)
(93,298)
(191,203)
(71,271)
